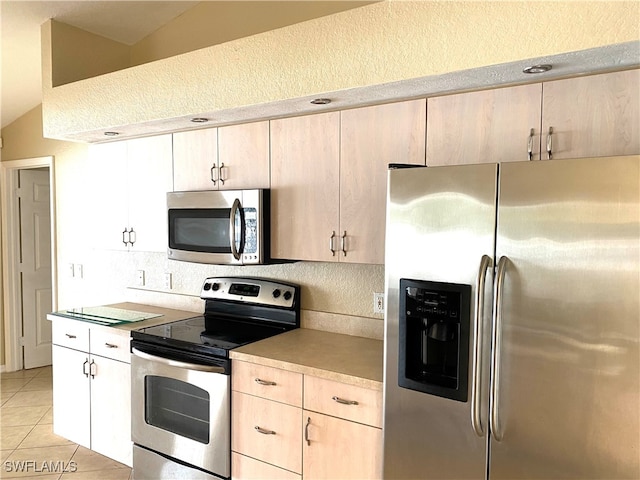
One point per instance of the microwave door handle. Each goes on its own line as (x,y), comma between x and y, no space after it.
(232,228)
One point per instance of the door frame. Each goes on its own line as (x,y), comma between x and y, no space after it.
(10,301)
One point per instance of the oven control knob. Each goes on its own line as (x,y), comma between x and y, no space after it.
(276,293)
(287,295)
(207,286)
(215,287)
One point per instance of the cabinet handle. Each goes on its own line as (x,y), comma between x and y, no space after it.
(93,369)
(263,431)
(132,236)
(266,383)
(84,368)
(550,143)
(222,179)
(343,243)
(306,431)
(125,240)
(530,145)
(70,335)
(110,345)
(343,401)
(333,251)
(214,174)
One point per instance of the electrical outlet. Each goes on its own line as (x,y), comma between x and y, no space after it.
(167,281)
(378,303)
(140,278)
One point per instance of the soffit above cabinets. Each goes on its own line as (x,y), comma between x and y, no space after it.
(597,60)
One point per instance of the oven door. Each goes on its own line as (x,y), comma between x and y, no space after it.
(182,410)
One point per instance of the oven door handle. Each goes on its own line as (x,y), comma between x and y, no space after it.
(176,363)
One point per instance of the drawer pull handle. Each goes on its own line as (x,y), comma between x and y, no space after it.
(263,431)
(110,345)
(70,336)
(306,431)
(343,401)
(266,383)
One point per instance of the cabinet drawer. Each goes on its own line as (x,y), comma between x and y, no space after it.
(267,382)
(70,333)
(247,468)
(337,399)
(282,445)
(111,344)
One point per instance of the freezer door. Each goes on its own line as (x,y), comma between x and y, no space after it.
(567,392)
(440,223)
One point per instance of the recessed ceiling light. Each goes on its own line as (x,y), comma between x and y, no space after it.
(321,101)
(111,134)
(537,68)
(199,120)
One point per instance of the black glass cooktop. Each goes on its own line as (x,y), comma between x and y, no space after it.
(213,336)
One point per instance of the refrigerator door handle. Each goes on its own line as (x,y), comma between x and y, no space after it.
(476,394)
(494,404)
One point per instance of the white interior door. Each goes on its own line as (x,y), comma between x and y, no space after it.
(35,266)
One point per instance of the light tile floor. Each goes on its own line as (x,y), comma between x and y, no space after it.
(28,447)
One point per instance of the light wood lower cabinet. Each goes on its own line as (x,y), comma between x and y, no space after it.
(338,448)
(267,430)
(336,435)
(92,393)
(251,469)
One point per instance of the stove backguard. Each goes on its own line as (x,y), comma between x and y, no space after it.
(434,338)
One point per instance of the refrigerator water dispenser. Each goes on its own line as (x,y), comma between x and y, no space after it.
(434,331)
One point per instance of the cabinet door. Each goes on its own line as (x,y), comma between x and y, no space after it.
(594,116)
(339,448)
(108,196)
(195,160)
(371,138)
(111,409)
(150,178)
(71,398)
(244,156)
(489,126)
(305,181)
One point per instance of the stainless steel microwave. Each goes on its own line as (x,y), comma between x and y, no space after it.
(219,227)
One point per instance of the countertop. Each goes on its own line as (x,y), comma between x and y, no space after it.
(344,358)
(167,315)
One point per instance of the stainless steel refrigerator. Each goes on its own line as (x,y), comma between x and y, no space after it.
(512,321)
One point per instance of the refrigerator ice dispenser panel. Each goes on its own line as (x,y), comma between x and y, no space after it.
(434,321)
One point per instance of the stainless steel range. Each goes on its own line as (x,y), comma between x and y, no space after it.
(181,385)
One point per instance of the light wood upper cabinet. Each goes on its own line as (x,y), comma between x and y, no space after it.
(128,195)
(305,168)
(243,153)
(329,179)
(150,178)
(488,126)
(593,116)
(371,138)
(226,158)
(195,160)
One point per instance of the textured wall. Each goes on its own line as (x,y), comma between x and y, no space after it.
(214,22)
(77,54)
(374,44)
